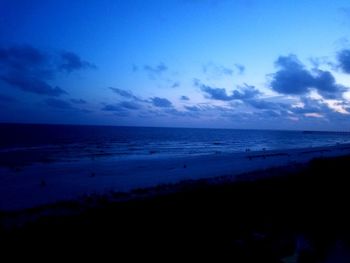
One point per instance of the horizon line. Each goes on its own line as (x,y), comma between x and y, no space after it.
(166,127)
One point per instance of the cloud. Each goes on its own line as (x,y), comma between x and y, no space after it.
(294,79)
(72,62)
(78,101)
(111,107)
(155,71)
(122,106)
(216,71)
(326,85)
(134,102)
(309,105)
(58,104)
(242,93)
(184,98)
(161,102)
(175,84)
(316,62)
(134,68)
(122,93)
(215,93)
(175,112)
(32,84)
(240,68)
(6,98)
(344,60)
(245,92)
(253,108)
(270,113)
(21,57)
(126,94)
(192,108)
(31,69)
(130,105)
(264,104)
(269,108)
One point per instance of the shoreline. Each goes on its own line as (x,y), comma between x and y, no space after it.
(45,184)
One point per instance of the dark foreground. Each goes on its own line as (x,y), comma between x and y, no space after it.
(302,216)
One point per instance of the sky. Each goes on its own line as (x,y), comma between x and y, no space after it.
(248,64)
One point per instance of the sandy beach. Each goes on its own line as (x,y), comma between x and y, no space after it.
(44,183)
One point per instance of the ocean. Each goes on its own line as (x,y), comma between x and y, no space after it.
(72,141)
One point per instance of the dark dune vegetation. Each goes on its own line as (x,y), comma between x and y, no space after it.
(294,214)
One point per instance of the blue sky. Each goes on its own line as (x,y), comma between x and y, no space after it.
(183,63)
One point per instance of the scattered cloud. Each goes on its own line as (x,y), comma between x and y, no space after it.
(241,93)
(72,62)
(184,98)
(192,108)
(240,68)
(32,84)
(311,107)
(112,107)
(122,106)
(175,84)
(58,104)
(122,93)
(245,92)
(294,79)
(155,71)
(134,102)
(344,60)
(161,102)
(316,62)
(6,98)
(215,93)
(131,105)
(326,85)
(22,57)
(175,112)
(216,71)
(264,104)
(314,115)
(134,68)
(31,69)
(78,101)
